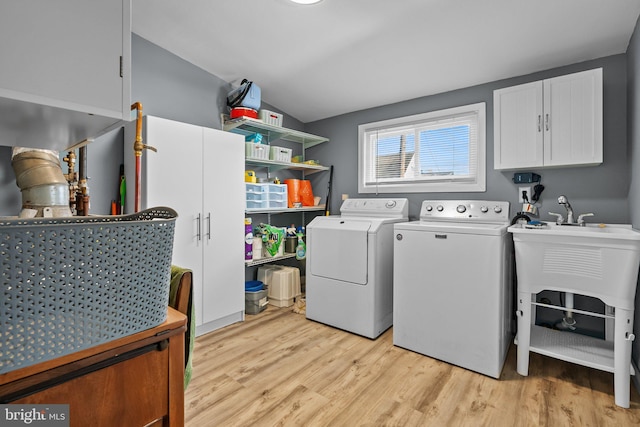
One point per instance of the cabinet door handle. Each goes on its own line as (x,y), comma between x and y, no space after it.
(198,234)
(209,226)
(546,121)
(539,122)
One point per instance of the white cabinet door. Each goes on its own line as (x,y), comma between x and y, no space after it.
(65,72)
(223,227)
(173,177)
(573,119)
(64,53)
(518,136)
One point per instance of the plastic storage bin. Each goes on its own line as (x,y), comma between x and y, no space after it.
(284,286)
(256,151)
(76,282)
(270,117)
(265,273)
(280,154)
(255,188)
(255,302)
(276,189)
(257,204)
(256,196)
(253,286)
(277,196)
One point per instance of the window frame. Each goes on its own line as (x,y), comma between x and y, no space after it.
(366,158)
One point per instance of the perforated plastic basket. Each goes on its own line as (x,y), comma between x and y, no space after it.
(72,283)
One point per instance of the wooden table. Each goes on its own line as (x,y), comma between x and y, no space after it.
(133,381)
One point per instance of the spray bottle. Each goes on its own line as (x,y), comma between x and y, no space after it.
(301,249)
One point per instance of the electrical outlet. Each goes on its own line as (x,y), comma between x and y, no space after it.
(524,190)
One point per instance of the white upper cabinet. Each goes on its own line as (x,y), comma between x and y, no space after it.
(517,119)
(66,70)
(549,123)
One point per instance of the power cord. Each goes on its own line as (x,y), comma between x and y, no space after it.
(537,191)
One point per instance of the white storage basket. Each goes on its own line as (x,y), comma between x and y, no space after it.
(280,154)
(270,117)
(256,151)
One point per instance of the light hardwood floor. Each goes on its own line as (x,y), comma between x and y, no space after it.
(279,369)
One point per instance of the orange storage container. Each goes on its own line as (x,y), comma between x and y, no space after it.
(299,191)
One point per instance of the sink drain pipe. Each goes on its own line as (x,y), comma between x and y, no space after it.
(39,176)
(568,323)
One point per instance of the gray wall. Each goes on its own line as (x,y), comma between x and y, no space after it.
(175,89)
(633,91)
(600,189)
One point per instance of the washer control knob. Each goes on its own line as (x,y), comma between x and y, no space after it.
(429,208)
(391,204)
(484,209)
(461,208)
(439,208)
(497,209)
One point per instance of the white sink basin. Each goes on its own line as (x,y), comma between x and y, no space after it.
(595,231)
(599,260)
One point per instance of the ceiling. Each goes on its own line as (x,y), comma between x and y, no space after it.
(340,56)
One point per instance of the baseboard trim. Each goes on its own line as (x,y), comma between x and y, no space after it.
(219,323)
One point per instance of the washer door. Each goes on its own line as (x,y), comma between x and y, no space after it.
(339,250)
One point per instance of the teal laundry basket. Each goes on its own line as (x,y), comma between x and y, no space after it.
(72,283)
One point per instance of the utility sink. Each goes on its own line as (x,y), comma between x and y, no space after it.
(595,231)
(598,260)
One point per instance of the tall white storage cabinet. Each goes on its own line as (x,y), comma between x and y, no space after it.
(198,172)
(549,123)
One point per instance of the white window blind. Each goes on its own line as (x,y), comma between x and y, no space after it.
(437,151)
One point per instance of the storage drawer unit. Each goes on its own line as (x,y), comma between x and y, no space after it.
(266,196)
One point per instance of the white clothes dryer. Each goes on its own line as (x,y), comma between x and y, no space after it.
(452,284)
(349,282)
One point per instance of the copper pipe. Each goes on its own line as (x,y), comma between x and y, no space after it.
(138,146)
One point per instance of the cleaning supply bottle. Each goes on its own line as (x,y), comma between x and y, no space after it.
(301,249)
(248,240)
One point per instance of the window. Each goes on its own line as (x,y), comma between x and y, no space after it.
(440,151)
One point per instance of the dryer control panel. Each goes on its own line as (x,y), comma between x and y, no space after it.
(382,208)
(465,211)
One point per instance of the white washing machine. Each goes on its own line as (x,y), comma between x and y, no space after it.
(452,284)
(349,281)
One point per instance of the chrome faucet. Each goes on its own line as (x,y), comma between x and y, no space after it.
(562,200)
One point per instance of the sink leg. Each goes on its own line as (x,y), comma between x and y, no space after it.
(524,332)
(623,336)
